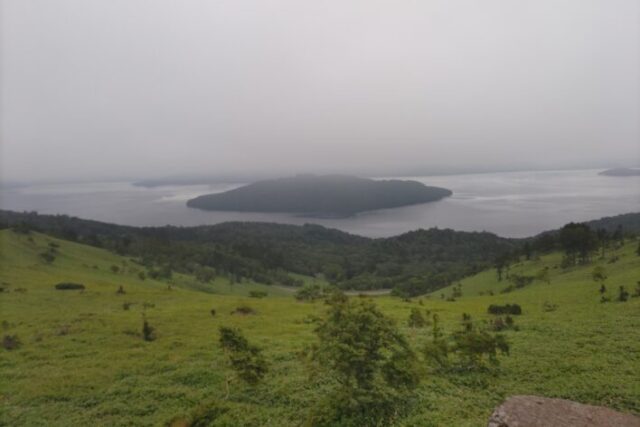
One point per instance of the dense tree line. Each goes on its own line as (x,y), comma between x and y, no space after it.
(412,263)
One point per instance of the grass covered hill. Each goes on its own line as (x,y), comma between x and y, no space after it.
(412,263)
(320,195)
(78,357)
(275,253)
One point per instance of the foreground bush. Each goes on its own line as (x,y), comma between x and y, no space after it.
(245,359)
(369,362)
(469,349)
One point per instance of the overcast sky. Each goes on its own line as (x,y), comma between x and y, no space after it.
(133,88)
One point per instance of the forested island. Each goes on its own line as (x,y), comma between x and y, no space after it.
(621,172)
(320,195)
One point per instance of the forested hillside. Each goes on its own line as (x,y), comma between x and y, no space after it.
(412,263)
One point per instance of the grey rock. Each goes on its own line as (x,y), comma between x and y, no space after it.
(534,411)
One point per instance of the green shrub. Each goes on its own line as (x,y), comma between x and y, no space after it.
(245,359)
(47,256)
(257,294)
(310,292)
(11,342)
(416,319)
(65,286)
(623,295)
(148,331)
(244,310)
(467,349)
(372,365)
(505,309)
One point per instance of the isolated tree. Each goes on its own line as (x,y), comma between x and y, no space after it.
(599,275)
(436,351)
(457,291)
(603,240)
(372,364)
(623,295)
(578,242)
(501,263)
(526,250)
(148,331)
(416,319)
(245,359)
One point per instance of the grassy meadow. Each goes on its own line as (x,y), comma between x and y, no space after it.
(82,360)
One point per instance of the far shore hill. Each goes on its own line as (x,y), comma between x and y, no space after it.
(320,196)
(621,172)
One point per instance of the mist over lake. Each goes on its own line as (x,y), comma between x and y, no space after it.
(511,204)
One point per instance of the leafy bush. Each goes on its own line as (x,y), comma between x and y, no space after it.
(257,294)
(11,342)
(505,309)
(310,292)
(64,286)
(244,310)
(47,256)
(148,331)
(244,358)
(623,295)
(436,351)
(474,346)
(520,281)
(372,365)
(416,319)
(467,349)
(501,324)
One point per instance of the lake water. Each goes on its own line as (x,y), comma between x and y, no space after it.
(513,204)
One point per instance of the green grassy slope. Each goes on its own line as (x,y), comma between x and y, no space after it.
(82,359)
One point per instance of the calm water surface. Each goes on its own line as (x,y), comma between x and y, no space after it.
(513,204)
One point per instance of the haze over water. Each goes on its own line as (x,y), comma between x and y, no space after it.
(512,204)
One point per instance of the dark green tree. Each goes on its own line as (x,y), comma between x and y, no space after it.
(603,240)
(416,319)
(623,295)
(245,359)
(578,243)
(371,364)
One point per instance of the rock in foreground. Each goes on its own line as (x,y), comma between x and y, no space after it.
(534,411)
